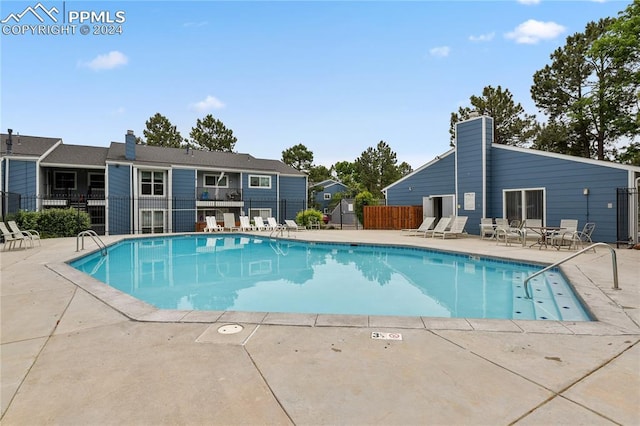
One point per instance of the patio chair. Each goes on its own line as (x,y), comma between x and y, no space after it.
(512,232)
(293,226)
(531,223)
(230,222)
(31,234)
(212,225)
(259,223)
(579,237)
(314,223)
(441,226)
(487,228)
(245,224)
(569,226)
(457,228)
(426,224)
(10,238)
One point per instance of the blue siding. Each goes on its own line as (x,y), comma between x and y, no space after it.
(184,203)
(436,179)
(333,189)
(469,151)
(293,196)
(22,180)
(564,181)
(119,199)
(259,193)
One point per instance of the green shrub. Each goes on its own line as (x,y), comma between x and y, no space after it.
(305,217)
(54,223)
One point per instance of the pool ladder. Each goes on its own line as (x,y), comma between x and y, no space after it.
(96,239)
(591,247)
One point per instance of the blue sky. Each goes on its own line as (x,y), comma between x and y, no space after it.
(335,76)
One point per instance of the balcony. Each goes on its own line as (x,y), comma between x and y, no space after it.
(219,197)
(73,199)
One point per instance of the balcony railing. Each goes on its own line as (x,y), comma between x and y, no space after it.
(219,194)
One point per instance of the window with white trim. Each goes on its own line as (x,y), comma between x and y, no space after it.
(152,221)
(522,204)
(257,181)
(263,213)
(64,180)
(151,183)
(327,195)
(96,181)
(215,181)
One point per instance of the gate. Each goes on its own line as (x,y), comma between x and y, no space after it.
(628,217)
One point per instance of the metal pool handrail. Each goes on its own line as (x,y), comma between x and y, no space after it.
(591,247)
(96,239)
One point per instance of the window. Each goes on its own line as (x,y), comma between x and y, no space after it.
(64,180)
(259,181)
(263,213)
(216,181)
(96,180)
(151,183)
(524,204)
(327,195)
(152,221)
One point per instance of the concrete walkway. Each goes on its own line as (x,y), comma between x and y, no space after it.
(75,353)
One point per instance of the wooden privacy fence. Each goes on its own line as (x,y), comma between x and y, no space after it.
(392,217)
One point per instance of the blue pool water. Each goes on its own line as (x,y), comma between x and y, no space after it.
(246,273)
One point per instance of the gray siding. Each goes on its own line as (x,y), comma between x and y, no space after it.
(184,203)
(436,179)
(564,181)
(119,201)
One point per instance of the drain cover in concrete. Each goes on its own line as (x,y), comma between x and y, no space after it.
(386,336)
(230,329)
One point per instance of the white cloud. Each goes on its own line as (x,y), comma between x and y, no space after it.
(107,61)
(440,51)
(118,111)
(532,31)
(482,37)
(528,2)
(209,103)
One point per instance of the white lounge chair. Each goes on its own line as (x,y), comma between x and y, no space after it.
(10,238)
(457,228)
(212,224)
(230,222)
(426,224)
(259,223)
(293,226)
(245,224)
(31,234)
(273,224)
(441,226)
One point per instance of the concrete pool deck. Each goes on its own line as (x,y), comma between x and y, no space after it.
(73,353)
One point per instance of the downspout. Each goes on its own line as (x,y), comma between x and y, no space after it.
(484,167)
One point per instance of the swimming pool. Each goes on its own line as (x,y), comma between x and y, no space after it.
(238,272)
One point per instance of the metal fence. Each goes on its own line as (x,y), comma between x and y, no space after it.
(628,203)
(119,215)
